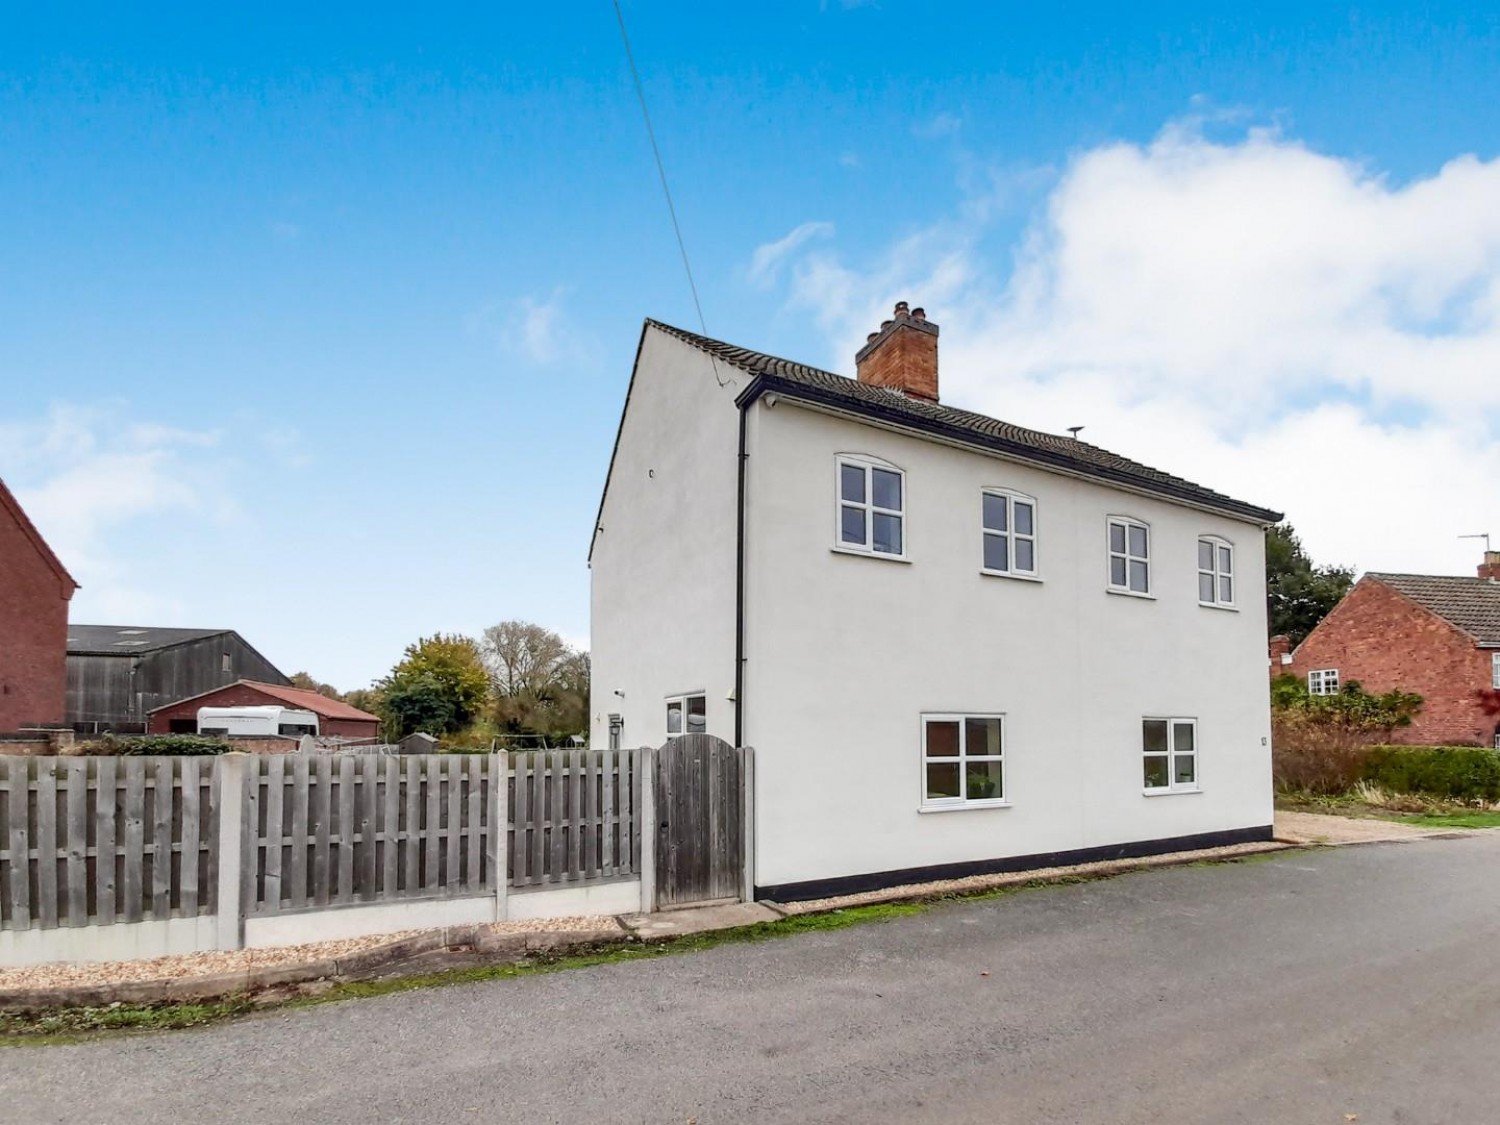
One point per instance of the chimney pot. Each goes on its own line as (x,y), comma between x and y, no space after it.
(902,356)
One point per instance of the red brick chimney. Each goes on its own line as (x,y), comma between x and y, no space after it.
(1490,568)
(1280,650)
(902,355)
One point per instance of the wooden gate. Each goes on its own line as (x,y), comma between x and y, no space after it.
(700,822)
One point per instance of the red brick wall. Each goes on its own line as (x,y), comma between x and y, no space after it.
(240,695)
(33,631)
(1387,642)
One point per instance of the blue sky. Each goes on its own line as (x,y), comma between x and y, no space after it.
(317,325)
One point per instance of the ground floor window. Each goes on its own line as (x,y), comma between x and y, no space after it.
(1170,754)
(963,759)
(687,714)
(183,726)
(1323,681)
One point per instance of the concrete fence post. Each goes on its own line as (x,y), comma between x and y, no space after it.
(645,779)
(500,832)
(747,823)
(229,906)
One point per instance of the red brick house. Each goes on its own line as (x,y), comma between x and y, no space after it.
(35,589)
(334,717)
(1434,635)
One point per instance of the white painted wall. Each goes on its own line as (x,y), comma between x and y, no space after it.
(845,654)
(663,567)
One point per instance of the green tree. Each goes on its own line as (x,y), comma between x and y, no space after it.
(306,682)
(440,686)
(1299,594)
(540,683)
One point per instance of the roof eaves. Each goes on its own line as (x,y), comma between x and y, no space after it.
(1202,499)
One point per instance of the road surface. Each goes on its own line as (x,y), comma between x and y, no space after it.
(1302,989)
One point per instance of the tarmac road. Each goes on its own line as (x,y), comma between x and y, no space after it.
(1305,988)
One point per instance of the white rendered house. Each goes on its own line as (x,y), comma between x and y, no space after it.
(957,645)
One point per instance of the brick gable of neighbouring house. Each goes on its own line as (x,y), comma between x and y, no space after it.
(35,590)
(1387,641)
(335,717)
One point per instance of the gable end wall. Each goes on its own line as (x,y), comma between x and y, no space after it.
(1388,642)
(33,631)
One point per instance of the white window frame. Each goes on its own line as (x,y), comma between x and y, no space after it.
(866,464)
(939,804)
(1010,536)
(1172,755)
(1126,523)
(1495,670)
(1323,681)
(1217,573)
(681,703)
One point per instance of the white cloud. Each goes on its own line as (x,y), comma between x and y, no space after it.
(768,258)
(1279,323)
(537,328)
(83,474)
(850,160)
(941,125)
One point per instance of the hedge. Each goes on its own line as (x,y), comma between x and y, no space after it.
(168,745)
(1460,773)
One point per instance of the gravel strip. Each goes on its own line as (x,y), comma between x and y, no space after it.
(185,966)
(976,883)
(1320,828)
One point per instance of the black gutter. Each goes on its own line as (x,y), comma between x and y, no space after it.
(764,384)
(739,592)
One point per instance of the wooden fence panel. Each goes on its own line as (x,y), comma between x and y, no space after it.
(94,841)
(572,817)
(347,843)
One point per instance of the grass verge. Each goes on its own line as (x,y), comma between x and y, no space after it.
(70,1025)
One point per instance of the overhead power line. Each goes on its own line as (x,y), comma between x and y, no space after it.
(661,171)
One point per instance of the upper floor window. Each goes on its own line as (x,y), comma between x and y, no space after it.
(1009,533)
(1323,681)
(687,714)
(1215,571)
(871,507)
(1129,556)
(1170,754)
(1495,670)
(963,759)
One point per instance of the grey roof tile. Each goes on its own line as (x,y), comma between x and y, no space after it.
(1067,453)
(121,640)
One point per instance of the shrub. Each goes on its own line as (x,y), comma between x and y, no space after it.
(1460,773)
(1312,756)
(166,745)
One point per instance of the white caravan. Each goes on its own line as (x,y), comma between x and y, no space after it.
(256,722)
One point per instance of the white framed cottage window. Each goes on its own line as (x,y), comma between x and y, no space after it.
(963,761)
(1169,755)
(870,516)
(1009,532)
(687,714)
(1323,681)
(1129,556)
(1495,670)
(1215,572)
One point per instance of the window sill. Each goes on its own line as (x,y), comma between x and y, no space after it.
(1220,605)
(1183,792)
(963,806)
(1129,594)
(881,555)
(1009,574)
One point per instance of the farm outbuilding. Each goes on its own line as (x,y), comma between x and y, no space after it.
(335,718)
(119,674)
